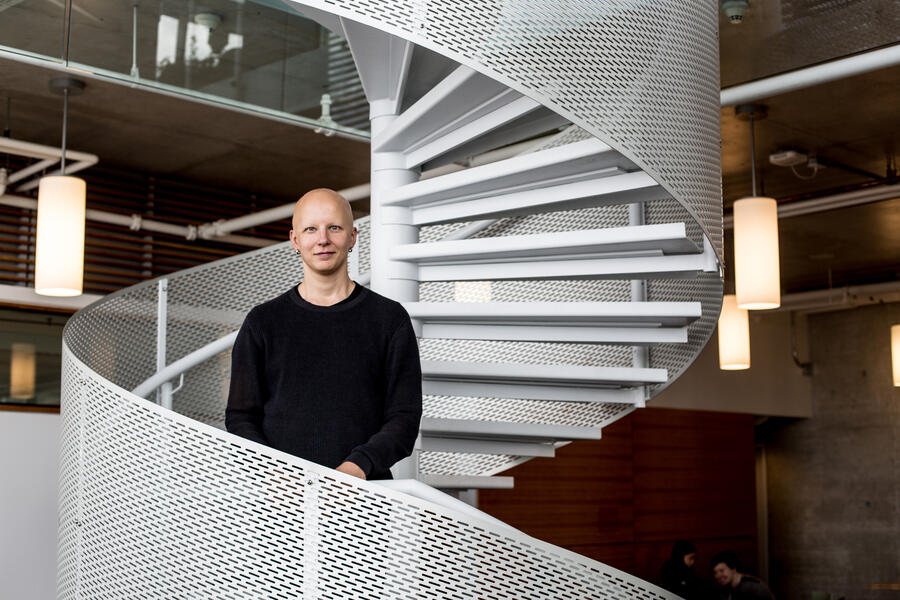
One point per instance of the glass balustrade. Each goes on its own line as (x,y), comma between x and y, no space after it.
(257,55)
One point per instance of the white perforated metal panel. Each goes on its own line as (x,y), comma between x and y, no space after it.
(641,75)
(156,505)
(162,504)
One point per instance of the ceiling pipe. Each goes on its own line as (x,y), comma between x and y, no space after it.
(222,227)
(866,195)
(138,223)
(843,298)
(810,76)
(47,156)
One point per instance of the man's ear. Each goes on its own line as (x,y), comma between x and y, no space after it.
(355,231)
(293,239)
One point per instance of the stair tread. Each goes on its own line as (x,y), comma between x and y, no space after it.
(460,108)
(565,313)
(665,238)
(567,375)
(505,431)
(537,169)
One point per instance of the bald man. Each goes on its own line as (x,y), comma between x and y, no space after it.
(328,371)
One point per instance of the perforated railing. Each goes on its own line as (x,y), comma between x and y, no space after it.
(157,504)
(164,504)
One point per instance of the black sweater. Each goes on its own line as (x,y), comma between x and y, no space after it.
(328,383)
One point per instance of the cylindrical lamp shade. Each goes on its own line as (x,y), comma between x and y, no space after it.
(895,353)
(734,336)
(757,277)
(21,372)
(59,250)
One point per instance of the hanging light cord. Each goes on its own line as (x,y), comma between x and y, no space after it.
(752,155)
(62,166)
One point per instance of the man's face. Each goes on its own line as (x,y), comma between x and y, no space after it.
(323,232)
(723,574)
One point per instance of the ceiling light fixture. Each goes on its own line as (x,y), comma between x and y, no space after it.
(734,10)
(734,336)
(59,247)
(757,276)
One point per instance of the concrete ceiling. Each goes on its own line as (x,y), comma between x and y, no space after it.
(852,125)
(134,129)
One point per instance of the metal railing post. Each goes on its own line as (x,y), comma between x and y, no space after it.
(164,393)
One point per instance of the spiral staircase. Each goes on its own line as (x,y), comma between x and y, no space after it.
(557,282)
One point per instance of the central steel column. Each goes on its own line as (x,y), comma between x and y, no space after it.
(390,227)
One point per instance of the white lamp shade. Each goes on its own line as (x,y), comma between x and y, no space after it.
(59,248)
(757,278)
(734,336)
(21,372)
(895,353)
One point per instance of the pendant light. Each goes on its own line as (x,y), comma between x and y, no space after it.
(895,353)
(734,336)
(59,244)
(756,266)
(22,371)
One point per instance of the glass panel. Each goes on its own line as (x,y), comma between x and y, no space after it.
(30,363)
(35,26)
(783,35)
(257,53)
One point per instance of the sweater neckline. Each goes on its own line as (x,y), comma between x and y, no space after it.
(350,301)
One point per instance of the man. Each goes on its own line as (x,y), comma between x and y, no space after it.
(734,585)
(328,371)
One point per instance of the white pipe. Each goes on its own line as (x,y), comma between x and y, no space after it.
(32,150)
(840,298)
(47,155)
(810,76)
(138,223)
(222,227)
(185,363)
(833,202)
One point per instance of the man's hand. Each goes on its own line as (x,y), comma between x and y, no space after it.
(351,469)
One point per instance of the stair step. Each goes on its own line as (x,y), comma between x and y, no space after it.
(461,108)
(506,431)
(482,446)
(579,175)
(666,238)
(468,482)
(539,122)
(624,252)
(586,322)
(565,383)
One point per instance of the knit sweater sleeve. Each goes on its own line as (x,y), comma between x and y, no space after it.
(402,407)
(247,391)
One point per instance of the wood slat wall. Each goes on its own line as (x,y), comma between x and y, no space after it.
(657,476)
(116,256)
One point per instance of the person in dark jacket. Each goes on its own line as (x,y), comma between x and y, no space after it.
(329,370)
(678,574)
(734,585)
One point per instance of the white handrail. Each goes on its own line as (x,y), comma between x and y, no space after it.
(183,364)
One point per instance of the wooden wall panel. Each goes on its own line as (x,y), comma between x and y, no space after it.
(657,476)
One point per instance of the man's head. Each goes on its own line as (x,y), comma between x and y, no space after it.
(725,566)
(323,231)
